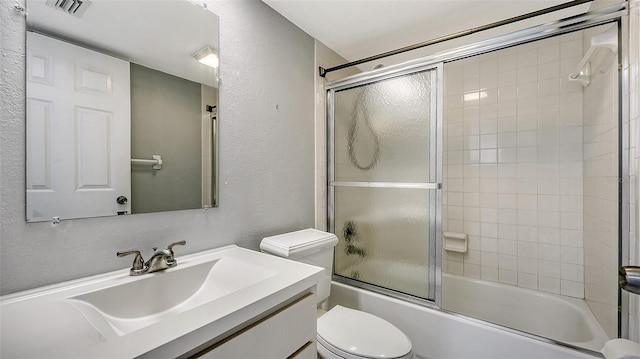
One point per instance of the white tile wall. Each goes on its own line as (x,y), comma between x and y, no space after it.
(513,166)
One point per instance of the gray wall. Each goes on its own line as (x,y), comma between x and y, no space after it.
(266,162)
(166,120)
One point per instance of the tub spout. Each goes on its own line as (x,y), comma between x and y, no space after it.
(629,278)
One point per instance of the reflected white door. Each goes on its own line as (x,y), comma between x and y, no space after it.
(78,131)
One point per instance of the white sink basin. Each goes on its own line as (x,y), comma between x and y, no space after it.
(121,309)
(163,314)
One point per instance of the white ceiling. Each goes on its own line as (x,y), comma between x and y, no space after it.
(158,34)
(356,29)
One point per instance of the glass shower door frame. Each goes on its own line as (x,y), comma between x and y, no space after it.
(615,13)
(434,185)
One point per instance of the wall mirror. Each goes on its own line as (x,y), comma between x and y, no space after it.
(122,101)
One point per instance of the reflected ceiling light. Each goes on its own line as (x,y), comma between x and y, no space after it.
(207,56)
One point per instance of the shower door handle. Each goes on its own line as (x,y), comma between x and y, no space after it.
(421,185)
(629,279)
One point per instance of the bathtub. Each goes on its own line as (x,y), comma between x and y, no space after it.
(560,318)
(440,334)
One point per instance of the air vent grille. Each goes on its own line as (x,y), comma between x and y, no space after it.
(71,7)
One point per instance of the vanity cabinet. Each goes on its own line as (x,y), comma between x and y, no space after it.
(289,332)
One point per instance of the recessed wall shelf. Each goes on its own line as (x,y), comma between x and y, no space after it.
(455,242)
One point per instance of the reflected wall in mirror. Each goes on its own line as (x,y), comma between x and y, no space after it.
(121,107)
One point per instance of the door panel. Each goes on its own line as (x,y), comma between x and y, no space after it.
(383,188)
(76,93)
(93,131)
(385,236)
(382,130)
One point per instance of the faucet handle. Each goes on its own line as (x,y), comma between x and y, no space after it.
(179,243)
(172,261)
(138,262)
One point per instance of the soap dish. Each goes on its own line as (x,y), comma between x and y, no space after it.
(454,242)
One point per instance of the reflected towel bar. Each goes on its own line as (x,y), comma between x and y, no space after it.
(156,162)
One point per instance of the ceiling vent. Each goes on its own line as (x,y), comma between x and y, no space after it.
(71,7)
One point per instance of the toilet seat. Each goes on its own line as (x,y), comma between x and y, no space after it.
(353,334)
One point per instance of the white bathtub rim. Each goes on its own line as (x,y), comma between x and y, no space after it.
(443,313)
(599,335)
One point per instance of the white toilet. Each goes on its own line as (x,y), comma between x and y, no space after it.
(342,332)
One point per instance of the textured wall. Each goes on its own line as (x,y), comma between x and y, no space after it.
(266,163)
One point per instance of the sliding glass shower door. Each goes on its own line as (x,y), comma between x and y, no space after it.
(384,175)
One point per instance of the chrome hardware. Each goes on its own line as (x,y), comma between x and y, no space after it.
(629,279)
(160,260)
(156,162)
(138,267)
(121,200)
(170,249)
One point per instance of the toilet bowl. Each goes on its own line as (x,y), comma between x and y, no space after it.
(342,332)
(351,334)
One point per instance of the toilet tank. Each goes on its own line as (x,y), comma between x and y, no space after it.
(309,246)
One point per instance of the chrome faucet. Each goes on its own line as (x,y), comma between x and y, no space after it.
(160,260)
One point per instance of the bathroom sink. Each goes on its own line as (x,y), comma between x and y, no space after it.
(124,308)
(162,314)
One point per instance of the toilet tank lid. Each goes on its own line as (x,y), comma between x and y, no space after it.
(298,243)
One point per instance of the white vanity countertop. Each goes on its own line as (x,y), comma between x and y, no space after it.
(43,323)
